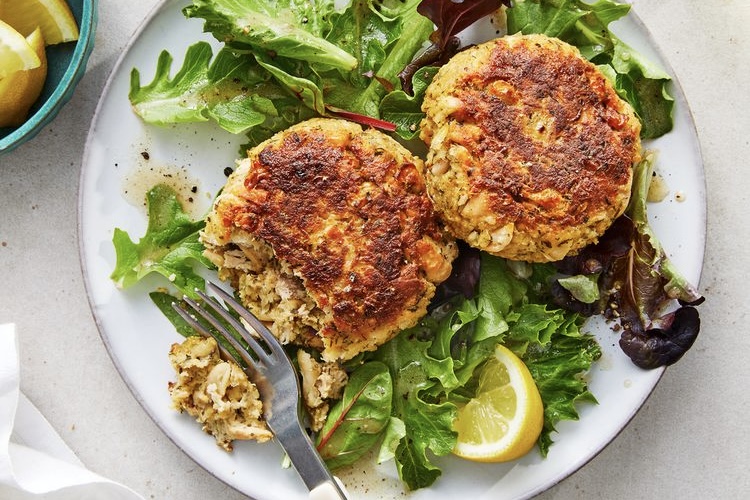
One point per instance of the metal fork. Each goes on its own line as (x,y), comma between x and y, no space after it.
(272,370)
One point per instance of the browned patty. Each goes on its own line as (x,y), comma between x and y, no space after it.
(353,235)
(531,149)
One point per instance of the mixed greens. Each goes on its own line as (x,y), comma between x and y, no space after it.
(636,283)
(283,61)
(410,386)
(434,364)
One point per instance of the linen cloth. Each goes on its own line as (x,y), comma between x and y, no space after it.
(34,460)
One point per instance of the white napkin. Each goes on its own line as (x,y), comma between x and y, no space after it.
(34,461)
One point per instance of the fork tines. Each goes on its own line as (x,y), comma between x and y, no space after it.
(253,353)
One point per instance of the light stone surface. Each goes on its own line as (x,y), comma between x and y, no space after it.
(689,441)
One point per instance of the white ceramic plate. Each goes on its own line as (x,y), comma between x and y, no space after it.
(138,336)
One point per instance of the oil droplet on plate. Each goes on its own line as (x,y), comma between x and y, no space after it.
(147,173)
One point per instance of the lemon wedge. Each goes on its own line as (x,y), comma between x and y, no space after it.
(54,17)
(503,421)
(15,52)
(20,89)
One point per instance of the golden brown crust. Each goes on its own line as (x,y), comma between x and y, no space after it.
(531,149)
(347,211)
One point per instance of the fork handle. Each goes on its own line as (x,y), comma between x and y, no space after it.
(309,465)
(327,491)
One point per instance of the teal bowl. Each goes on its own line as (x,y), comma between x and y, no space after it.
(66,64)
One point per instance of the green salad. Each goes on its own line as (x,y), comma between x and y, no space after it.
(370,61)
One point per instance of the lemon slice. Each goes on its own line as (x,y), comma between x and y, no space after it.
(20,89)
(53,16)
(503,421)
(15,52)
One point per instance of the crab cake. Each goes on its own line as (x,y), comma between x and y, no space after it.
(531,151)
(328,235)
(216,393)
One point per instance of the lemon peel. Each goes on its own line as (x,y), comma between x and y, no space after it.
(15,52)
(20,89)
(54,17)
(505,418)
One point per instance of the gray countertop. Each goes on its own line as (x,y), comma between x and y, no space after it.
(690,439)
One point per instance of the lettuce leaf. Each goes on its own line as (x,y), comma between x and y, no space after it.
(165,303)
(405,110)
(427,423)
(382,48)
(357,421)
(558,368)
(282,62)
(675,285)
(234,91)
(285,28)
(648,282)
(169,247)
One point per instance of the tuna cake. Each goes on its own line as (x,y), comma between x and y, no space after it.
(531,151)
(328,235)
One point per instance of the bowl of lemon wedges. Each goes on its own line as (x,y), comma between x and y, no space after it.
(44,47)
